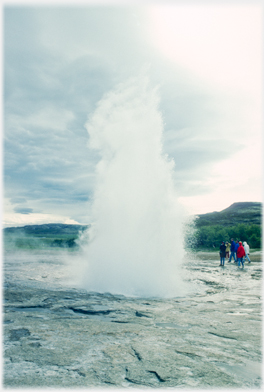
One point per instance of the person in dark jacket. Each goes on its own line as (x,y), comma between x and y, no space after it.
(233,251)
(222,253)
(240,255)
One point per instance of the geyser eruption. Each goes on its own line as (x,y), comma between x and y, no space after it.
(135,243)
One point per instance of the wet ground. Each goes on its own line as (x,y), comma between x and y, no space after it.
(59,336)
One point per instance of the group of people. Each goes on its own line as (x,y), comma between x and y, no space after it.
(237,251)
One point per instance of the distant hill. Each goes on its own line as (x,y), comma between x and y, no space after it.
(46,230)
(240,220)
(56,235)
(237,213)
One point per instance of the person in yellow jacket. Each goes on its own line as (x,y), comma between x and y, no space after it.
(228,245)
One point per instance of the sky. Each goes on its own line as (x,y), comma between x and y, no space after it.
(60,60)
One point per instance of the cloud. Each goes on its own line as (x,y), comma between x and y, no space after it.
(23,210)
(218,45)
(21,219)
(60,61)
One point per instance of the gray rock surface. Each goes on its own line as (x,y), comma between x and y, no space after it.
(65,337)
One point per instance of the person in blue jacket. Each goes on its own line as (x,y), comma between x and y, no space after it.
(232,251)
(237,246)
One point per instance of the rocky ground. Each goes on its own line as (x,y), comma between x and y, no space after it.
(64,337)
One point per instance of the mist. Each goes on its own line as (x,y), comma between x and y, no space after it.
(135,243)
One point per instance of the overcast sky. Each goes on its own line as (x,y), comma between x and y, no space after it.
(59,61)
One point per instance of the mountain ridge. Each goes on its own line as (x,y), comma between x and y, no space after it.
(47,228)
(246,210)
(240,212)
(239,216)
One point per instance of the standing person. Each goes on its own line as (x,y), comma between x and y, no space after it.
(246,247)
(236,248)
(222,253)
(228,245)
(232,250)
(240,254)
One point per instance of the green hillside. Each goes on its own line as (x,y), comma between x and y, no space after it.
(237,213)
(55,235)
(241,221)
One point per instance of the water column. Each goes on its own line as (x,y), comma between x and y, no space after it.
(135,243)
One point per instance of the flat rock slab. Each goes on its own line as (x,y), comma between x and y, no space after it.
(63,337)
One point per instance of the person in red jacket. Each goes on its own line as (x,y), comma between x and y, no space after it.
(240,254)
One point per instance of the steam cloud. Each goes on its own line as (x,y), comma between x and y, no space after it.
(135,243)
